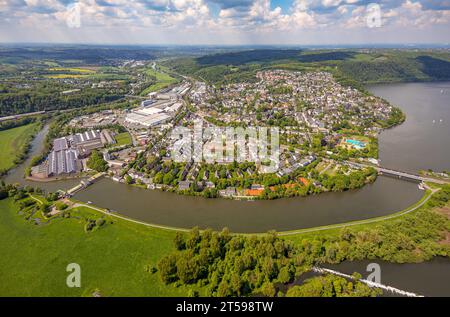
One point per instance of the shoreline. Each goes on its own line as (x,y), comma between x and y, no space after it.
(428,194)
(53,179)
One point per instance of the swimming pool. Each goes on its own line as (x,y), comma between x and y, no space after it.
(356,143)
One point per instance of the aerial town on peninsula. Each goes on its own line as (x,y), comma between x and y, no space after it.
(309,108)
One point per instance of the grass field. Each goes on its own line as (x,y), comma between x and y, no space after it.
(112,258)
(11,143)
(123,138)
(163,80)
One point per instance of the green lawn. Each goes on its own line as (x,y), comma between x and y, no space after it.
(123,138)
(112,258)
(162,81)
(11,143)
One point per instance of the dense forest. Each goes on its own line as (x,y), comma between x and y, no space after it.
(421,68)
(327,56)
(90,55)
(249,56)
(332,286)
(352,66)
(47,96)
(435,68)
(9,124)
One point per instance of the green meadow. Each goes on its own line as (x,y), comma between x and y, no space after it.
(12,141)
(163,80)
(115,258)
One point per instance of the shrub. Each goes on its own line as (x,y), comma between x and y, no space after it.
(61,206)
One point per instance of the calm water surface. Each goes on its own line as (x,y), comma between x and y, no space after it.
(430,278)
(423,140)
(385,196)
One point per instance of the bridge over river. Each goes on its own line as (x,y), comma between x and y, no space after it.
(402,175)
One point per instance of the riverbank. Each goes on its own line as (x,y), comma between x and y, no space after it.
(15,145)
(126,252)
(360,224)
(417,238)
(180,211)
(54,179)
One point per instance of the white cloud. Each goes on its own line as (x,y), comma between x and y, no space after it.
(238,19)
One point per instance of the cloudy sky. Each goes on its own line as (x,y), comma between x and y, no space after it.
(229,22)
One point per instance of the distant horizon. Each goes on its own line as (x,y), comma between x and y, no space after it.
(294,46)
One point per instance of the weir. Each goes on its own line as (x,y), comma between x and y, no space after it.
(83,184)
(367,282)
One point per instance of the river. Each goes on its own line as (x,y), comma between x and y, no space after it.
(430,278)
(421,142)
(385,196)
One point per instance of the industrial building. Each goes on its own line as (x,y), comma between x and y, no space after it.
(147,119)
(65,157)
(86,142)
(146,103)
(106,137)
(60,144)
(159,109)
(63,162)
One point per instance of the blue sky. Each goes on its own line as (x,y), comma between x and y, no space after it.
(301,22)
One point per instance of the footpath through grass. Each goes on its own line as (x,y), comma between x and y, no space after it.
(12,143)
(114,258)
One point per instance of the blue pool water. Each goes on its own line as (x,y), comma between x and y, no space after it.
(356,143)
